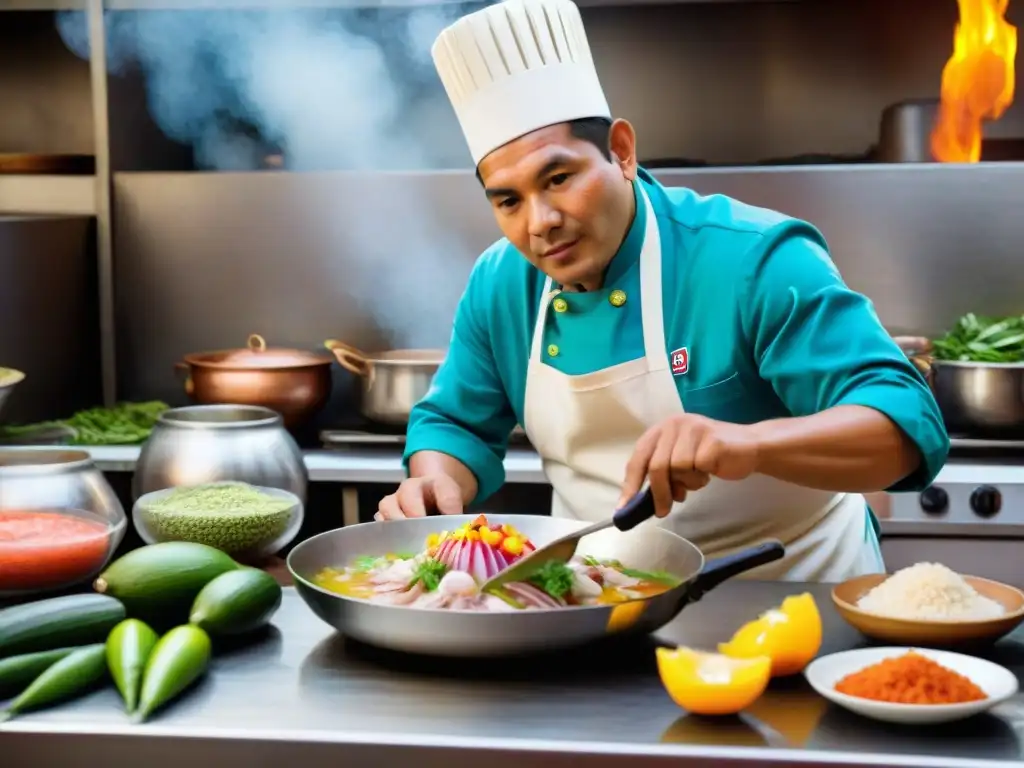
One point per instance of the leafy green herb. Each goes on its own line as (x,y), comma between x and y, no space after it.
(123,424)
(555,578)
(403,555)
(429,572)
(365,563)
(661,577)
(979,339)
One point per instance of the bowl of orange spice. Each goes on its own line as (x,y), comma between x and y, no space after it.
(910,685)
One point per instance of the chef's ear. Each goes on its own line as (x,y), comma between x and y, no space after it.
(622,144)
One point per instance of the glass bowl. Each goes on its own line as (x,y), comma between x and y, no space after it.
(246,528)
(60,521)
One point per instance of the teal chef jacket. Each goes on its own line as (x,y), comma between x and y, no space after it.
(769,327)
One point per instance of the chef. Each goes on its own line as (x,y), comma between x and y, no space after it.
(639,332)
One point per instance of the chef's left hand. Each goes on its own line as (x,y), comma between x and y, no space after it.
(683,453)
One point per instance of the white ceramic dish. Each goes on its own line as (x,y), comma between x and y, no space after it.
(999,683)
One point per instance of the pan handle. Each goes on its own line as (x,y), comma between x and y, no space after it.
(186,370)
(350,358)
(635,511)
(724,568)
(919,350)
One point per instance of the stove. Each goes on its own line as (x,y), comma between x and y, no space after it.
(981,485)
(970,519)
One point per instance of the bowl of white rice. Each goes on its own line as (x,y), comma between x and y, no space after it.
(929,604)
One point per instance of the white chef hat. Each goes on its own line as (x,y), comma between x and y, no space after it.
(515,67)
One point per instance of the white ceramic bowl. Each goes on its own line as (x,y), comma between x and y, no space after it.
(997,682)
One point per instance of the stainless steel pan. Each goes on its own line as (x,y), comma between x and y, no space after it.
(466,633)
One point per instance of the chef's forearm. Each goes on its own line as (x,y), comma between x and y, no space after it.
(426,463)
(848,448)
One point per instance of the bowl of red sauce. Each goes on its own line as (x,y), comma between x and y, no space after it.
(60,521)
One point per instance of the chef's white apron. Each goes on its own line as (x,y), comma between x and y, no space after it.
(586,427)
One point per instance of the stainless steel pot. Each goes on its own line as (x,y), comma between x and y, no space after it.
(976,399)
(208,443)
(293,382)
(392,382)
(469,633)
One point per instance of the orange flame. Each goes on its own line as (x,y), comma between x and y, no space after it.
(977,81)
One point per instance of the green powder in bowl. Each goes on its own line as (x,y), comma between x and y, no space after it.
(236,518)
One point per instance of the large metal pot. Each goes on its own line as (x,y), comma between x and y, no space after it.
(976,399)
(293,382)
(469,633)
(209,443)
(392,382)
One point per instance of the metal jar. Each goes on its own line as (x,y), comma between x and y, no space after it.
(976,399)
(293,382)
(391,382)
(209,443)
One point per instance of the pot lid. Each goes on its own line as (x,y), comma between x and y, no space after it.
(258,355)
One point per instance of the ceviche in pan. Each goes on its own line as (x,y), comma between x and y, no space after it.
(449,570)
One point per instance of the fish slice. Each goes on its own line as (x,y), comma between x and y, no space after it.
(628,516)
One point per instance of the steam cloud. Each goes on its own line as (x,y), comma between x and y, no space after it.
(340,90)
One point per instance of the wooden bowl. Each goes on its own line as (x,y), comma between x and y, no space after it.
(942,633)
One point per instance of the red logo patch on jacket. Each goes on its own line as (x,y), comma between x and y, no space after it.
(680,361)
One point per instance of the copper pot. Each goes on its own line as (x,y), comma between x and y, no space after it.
(293,382)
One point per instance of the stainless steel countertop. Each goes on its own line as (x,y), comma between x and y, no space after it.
(303,696)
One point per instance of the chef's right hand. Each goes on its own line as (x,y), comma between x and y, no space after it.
(418,495)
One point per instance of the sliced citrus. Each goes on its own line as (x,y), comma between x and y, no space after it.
(789,635)
(712,684)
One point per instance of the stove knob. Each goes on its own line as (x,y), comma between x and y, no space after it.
(934,500)
(986,501)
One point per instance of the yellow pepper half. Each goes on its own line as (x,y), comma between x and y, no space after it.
(710,683)
(789,635)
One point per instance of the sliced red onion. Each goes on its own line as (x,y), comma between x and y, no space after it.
(503,559)
(531,596)
(492,563)
(444,552)
(476,558)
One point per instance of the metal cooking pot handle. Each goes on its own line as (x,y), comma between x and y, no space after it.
(190,386)
(256,343)
(919,350)
(724,568)
(350,358)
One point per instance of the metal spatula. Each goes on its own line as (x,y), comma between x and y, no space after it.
(630,515)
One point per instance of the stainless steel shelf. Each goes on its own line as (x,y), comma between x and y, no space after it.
(29,194)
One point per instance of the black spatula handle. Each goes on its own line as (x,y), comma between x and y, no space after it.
(635,511)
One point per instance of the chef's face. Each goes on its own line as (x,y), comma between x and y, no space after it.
(561,201)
